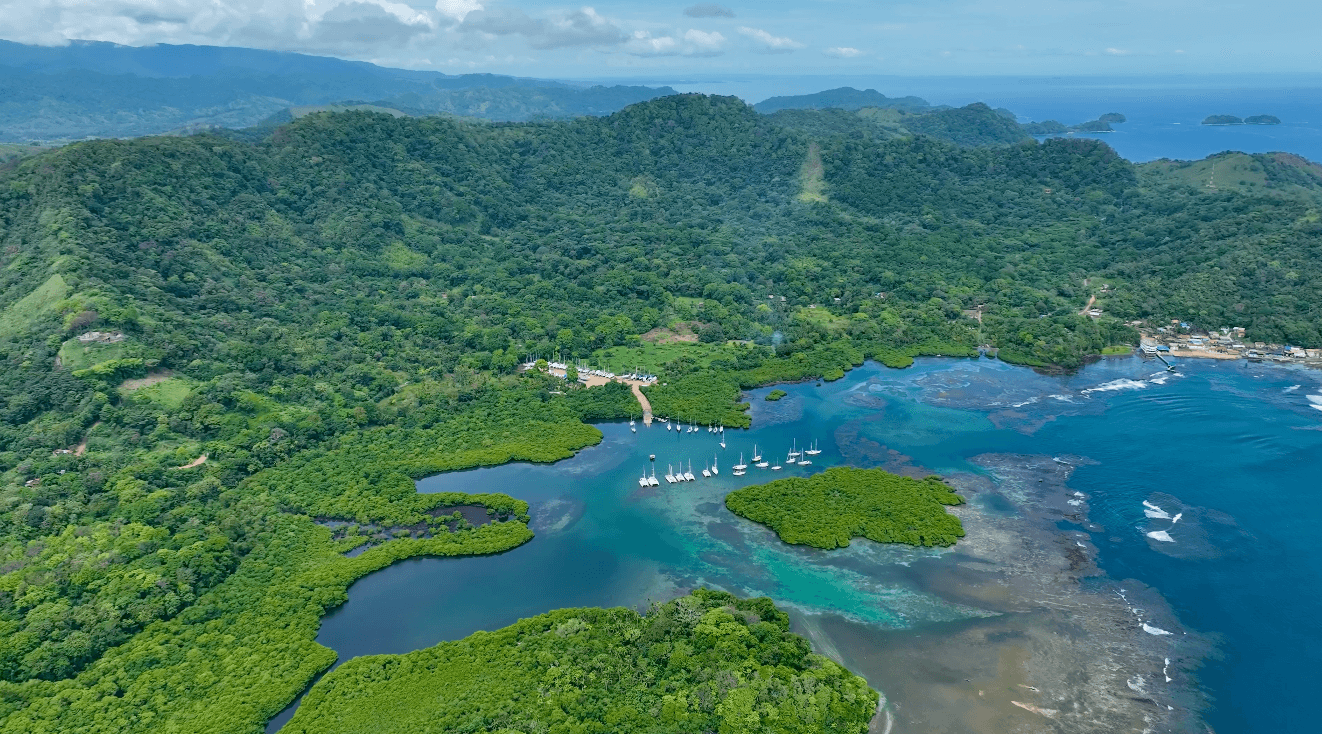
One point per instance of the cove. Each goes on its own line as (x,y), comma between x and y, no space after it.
(945,635)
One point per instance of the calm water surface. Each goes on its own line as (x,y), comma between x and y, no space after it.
(1235,450)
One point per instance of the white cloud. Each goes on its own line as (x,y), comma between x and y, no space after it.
(692,43)
(708,10)
(585,27)
(770,43)
(457,9)
(712,41)
(1117,52)
(843,52)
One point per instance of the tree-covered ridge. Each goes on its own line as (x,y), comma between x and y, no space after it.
(825,510)
(350,298)
(705,662)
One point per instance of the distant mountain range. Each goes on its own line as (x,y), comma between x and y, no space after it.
(94,89)
(844,98)
(52,95)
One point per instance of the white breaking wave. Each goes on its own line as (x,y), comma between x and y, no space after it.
(1154,511)
(1062,398)
(1154,630)
(1162,536)
(1316,406)
(1292,388)
(1314,399)
(1123,383)
(1029,401)
(1177,517)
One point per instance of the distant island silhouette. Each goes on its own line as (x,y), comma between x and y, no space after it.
(1232,120)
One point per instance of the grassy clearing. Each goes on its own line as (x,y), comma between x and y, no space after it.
(1226,172)
(812,185)
(823,318)
(652,356)
(75,355)
(1118,349)
(16,318)
(169,392)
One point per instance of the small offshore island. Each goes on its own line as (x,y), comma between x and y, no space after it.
(826,510)
(1233,120)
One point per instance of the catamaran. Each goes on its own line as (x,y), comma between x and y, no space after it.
(814,450)
(642,481)
(651,481)
(741,465)
(670,474)
(688,475)
(714,470)
(706,471)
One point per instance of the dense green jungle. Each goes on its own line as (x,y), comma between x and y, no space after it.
(827,509)
(227,356)
(704,662)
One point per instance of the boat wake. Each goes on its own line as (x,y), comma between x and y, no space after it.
(1154,511)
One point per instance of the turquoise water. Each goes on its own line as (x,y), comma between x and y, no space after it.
(1235,450)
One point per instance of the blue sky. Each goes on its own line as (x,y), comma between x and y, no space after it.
(662,39)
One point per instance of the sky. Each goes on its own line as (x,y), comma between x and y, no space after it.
(659,38)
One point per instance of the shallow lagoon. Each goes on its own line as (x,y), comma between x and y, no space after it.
(1234,449)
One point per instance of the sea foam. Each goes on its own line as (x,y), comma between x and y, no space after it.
(1123,383)
(1162,536)
(1154,630)
(1154,512)
(1314,399)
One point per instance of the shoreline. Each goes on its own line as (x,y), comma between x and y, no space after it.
(1060,647)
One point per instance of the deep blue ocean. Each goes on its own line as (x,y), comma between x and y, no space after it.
(1204,485)
(1164,112)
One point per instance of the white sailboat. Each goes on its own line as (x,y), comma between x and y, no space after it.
(740,473)
(642,481)
(688,475)
(814,450)
(804,462)
(651,481)
(776,467)
(667,425)
(722,441)
(756,456)
(670,474)
(714,470)
(706,471)
(794,453)
(741,465)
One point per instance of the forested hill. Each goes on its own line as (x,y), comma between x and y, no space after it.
(971,126)
(338,308)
